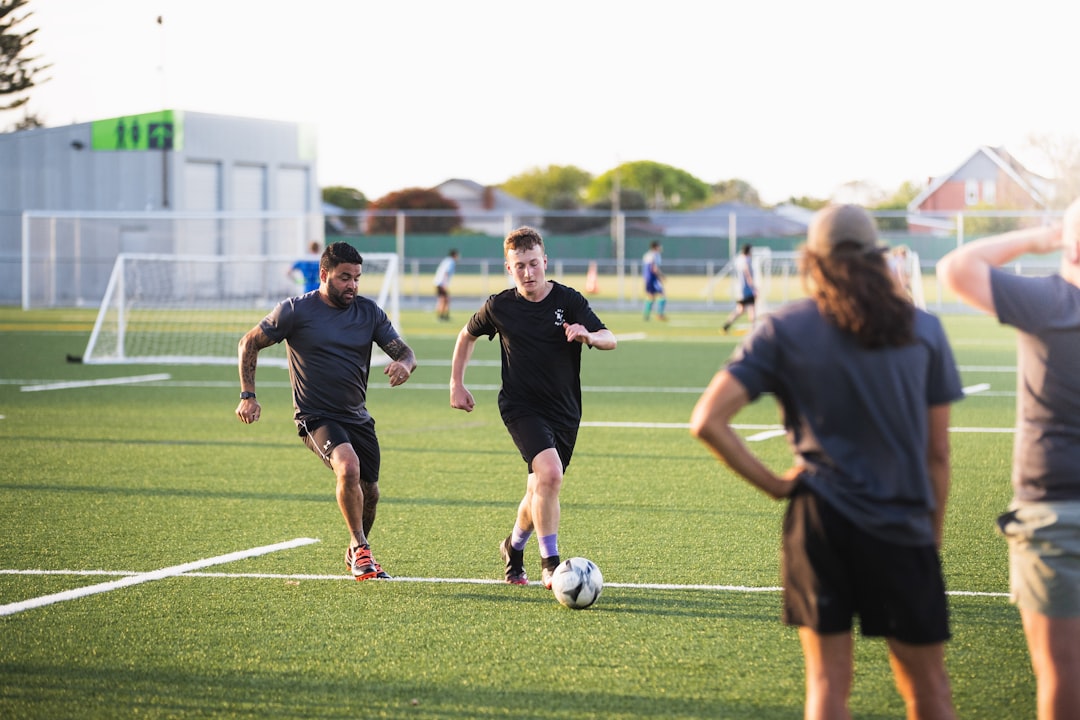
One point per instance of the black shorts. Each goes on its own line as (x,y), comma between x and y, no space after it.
(748,299)
(833,570)
(441,291)
(322,436)
(533,435)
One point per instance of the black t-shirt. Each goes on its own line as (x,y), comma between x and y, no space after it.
(540,369)
(329,352)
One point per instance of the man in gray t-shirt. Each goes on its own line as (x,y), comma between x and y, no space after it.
(329,335)
(1042,525)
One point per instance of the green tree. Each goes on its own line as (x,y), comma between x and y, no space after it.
(18,73)
(630,200)
(978,226)
(662,186)
(349,199)
(550,186)
(442,215)
(898,202)
(734,190)
(805,201)
(346,198)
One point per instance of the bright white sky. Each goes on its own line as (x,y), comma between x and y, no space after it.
(795,97)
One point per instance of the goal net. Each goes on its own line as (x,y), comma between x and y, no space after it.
(193,309)
(67,257)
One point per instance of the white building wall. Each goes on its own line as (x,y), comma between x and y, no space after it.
(223,163)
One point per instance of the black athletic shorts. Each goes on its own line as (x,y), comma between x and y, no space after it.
(322,436)
(833,570)
(533,435)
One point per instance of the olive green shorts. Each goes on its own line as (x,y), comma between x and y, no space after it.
(1044,556)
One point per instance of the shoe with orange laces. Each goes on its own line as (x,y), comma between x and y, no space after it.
(361,564)
(515,563)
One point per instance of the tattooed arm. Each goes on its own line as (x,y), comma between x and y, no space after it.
(403,362)
(253,341)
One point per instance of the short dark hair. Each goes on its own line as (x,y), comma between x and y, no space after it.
(746,249)
(337,253)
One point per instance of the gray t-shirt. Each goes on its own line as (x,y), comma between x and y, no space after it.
(329,352)
(1046,449)
(857,418)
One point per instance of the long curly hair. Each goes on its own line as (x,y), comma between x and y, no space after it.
(855,291)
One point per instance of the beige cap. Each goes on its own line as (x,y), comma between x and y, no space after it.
(836,224)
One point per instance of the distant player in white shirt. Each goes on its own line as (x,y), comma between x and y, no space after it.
(744,273)
(443,274)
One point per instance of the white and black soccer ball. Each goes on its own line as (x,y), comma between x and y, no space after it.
(577,583)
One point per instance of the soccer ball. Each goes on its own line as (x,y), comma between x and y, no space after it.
(577,583)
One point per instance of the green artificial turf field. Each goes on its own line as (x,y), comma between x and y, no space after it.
(137,486)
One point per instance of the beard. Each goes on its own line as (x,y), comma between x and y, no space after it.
(340,298)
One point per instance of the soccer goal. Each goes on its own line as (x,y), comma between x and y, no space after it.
(193,309)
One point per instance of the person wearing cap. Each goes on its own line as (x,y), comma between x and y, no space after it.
(865,381)
(1042,524)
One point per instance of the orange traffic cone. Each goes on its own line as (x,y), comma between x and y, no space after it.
(592,282)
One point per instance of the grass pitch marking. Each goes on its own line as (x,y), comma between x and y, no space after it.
(96,383)
(462,581)
(137,579)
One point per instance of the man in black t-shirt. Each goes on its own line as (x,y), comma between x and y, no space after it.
(329,334)
(541,327)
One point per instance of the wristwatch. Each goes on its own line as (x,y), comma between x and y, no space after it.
(247,395)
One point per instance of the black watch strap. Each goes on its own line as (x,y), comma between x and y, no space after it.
(247,395)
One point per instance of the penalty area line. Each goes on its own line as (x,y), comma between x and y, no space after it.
(12,608)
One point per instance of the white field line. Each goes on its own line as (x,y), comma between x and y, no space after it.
(766,435)
(96,383)
(460,581)
(139,578)
(977,388)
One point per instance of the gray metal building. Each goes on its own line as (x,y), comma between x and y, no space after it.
(163,182)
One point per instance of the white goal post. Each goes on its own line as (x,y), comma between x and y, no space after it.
(193,309)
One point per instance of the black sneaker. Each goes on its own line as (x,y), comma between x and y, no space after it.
(515,563)
(548,569)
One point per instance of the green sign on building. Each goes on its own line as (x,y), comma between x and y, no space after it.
(163,130)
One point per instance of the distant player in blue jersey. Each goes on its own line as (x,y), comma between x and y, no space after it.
(306,269)
(654,281)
